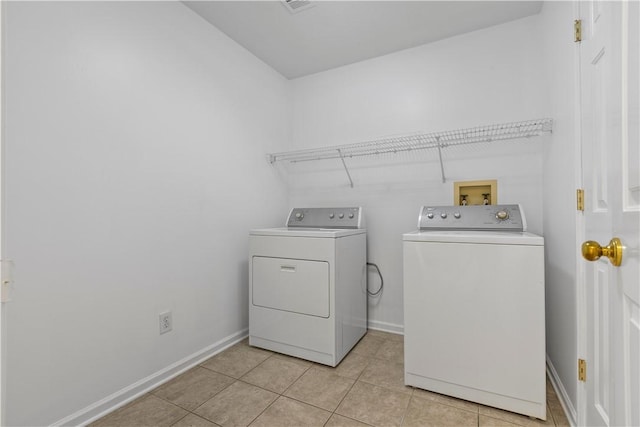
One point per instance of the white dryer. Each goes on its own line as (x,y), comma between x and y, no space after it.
(474,318)
(307,284)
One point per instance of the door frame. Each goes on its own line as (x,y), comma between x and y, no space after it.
(2,138)
(580,268)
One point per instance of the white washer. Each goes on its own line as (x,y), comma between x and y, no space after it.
(307,284)
(474,319)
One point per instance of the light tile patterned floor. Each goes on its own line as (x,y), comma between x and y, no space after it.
(249,386)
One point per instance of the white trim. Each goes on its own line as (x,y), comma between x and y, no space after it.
(563,397)
(120,398)
(385,327)
(2,113)
(579,414)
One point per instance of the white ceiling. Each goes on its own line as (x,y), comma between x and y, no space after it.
(335,33)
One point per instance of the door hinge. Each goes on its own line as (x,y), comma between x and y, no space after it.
(582,370)
(577,30)
(580,199)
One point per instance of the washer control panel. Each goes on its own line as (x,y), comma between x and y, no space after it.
(469,218)
(326,218)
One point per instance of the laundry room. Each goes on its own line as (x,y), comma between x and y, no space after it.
(140,145)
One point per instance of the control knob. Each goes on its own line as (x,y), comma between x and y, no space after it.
(430,215)
(332,215)
(502,215)
(341,216)
(299,216)
(443,215)
(351,215)
(456,215)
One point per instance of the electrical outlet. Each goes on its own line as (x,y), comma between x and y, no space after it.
(166,322)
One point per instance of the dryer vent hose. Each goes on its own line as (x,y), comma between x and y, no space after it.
(376,293)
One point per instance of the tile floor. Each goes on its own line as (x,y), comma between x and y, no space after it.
(249,386)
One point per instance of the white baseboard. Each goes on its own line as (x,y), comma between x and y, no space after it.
(385,327)
(122,397)
(568,408)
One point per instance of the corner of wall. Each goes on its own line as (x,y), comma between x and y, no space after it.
(561,392)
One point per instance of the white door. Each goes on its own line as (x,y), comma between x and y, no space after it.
(610,93)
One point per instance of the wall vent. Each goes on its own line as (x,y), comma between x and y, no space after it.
(295,6)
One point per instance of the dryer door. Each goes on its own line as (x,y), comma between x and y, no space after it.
(295,285)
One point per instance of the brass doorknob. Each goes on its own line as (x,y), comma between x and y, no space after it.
(592,251)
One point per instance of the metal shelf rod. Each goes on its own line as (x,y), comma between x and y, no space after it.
(346,169)
(441,164)
(437,140)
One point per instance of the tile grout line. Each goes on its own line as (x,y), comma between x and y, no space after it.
(235,381)
(279,394)
(189,411)
(354,383)
(345,396)
(368,359)
(373,356)
(553,417)
(185,416)
(264,410)
(311,404)
(311,366)
(297,379)
(406,410)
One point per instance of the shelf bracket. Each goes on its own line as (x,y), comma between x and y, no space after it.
(345,168)
(440,157)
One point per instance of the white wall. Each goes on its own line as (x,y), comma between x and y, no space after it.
(561,178)
(134,167)
(486,77)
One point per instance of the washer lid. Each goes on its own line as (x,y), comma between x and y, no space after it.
(480,237)
(327,233)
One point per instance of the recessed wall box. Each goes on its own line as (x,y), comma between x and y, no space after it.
(475,192)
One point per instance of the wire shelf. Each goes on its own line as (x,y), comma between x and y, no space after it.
(426,141)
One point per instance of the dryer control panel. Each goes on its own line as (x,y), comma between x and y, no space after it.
(470,218)
(326,218)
